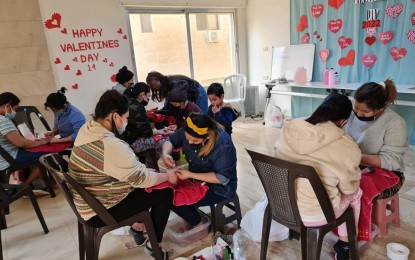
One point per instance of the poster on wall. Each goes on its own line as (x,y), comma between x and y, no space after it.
(363,40)
(85,47)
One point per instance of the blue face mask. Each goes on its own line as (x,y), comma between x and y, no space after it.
(10,115)
(124,126)
(58,113)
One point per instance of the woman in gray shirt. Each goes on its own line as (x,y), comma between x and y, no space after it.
(378,130)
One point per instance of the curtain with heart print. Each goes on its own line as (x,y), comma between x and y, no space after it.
(365,40)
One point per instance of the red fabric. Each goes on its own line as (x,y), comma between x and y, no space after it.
(160,118)
(51,148)
(372,184)
(185,192)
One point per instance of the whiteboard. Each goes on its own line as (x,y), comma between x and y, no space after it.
(287,59)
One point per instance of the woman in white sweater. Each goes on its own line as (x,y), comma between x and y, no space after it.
(320,142)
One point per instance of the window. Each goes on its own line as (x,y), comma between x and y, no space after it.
(197,44)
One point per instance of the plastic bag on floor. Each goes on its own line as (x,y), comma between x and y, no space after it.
(253,220)
(274,116)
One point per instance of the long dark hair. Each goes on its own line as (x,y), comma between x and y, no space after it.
(9,98)
(160,94)
(111,101)
(335,107)
(203,121)
(56,100)
(376,96)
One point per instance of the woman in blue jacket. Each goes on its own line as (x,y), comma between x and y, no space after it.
(212,159)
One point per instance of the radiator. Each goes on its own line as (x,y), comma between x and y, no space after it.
(252,101)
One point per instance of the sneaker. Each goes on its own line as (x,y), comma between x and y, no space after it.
(149,251)
(41,192)
(342,250)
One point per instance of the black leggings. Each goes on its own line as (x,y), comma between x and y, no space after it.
(159,201)
(394,189)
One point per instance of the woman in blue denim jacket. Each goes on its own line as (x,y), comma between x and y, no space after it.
(212,159)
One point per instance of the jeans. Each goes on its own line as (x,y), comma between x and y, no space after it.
(24,156)
(189,212)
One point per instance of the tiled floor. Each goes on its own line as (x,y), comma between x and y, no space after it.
(24,238)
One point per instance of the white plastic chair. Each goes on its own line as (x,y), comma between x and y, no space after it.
(235,91)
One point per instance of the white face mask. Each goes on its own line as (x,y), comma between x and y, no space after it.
(10,115)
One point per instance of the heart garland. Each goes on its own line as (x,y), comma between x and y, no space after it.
(397,53)
(324,54)
(369,60)
(344,42)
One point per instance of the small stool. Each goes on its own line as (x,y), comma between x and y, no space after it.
(379,214)
(219,220)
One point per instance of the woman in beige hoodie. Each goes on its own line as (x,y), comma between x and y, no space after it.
(320,142)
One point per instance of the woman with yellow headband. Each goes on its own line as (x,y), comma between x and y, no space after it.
(212,159)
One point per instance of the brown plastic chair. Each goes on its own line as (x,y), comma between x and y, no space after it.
(89,236)
(10,193)
(14,166)
(278,178)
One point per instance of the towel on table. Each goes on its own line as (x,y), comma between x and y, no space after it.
(185,192)
(372,184)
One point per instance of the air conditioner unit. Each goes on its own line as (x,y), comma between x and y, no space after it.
(212,36)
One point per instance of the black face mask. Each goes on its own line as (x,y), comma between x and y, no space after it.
(365,119)
(144,102)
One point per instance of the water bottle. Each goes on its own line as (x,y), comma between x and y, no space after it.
(336,78)
(331,77)
(326,76)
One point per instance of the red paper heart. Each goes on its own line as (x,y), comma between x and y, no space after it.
(397,53)
(344,42)
(67,67)
(370,40)
(413,18)
(105,60)
(348,60)
(317,10)
(324,54)
(394,11)
(57,61)
(78,73)
(124,37)
(111,64)
(119,31)
(411,36)
(54,21)
(75,59)
(75,86)
(386,37)
(369,60)
(113,77)
(335,3)
(64,31)
(335,25)
(303,23)
(305,38)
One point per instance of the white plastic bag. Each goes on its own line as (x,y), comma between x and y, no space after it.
(253,220)
(273,116)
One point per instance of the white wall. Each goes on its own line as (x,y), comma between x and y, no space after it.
(86,80)
(267,25)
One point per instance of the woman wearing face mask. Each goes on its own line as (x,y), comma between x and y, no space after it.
(139,132)
(320,142)
(378,130)
(67,118)
(12,141)
(124,78)
(212,159)
(109,169)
